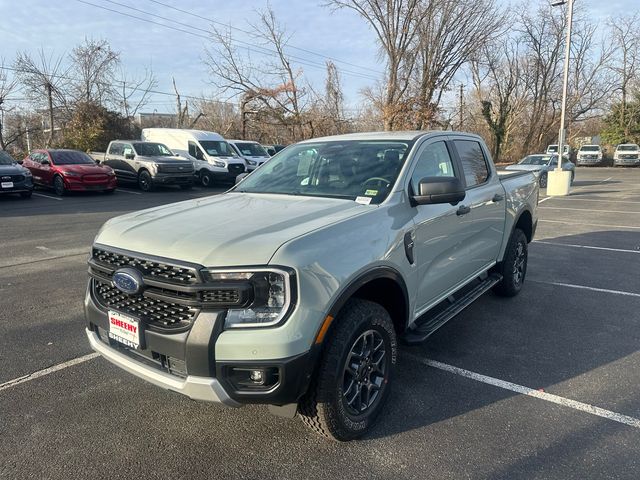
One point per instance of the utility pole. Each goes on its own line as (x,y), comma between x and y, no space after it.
(461,106)
(49,89)
(559,181)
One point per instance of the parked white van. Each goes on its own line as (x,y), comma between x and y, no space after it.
(253,153)
(213,158)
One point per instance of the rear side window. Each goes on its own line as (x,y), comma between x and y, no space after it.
(116,149)
(474,164)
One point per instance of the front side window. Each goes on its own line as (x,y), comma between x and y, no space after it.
(195,151)
(434,161)
(71,157)
(333,169)
(474,164)
(151,149)
(215,148)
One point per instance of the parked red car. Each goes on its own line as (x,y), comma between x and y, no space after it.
(69,170)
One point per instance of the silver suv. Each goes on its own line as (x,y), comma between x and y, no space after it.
(148,164)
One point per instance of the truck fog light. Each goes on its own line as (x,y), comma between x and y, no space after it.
(257,376)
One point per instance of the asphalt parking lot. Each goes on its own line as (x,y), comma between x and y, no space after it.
(461,405)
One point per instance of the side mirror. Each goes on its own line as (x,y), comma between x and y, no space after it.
(439,190)
(129,156)
(19,162)
(46,162)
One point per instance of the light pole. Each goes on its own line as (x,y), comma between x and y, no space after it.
(559,181)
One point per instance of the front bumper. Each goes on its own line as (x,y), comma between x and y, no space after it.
(197,388)
(173,179)
(588,161)
(629,162)
(199,374)
(19,187)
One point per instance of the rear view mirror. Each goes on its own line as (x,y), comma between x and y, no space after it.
(439,190)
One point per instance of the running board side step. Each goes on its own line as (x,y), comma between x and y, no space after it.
(422,330)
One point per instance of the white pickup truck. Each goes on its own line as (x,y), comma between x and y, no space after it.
(294,288)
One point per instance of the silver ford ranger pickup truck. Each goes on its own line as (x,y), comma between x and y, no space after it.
(294,288)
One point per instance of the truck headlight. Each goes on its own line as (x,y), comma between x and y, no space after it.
(271,296)
(252,162)
(216,163)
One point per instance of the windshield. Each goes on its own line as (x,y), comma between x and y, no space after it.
(150,149)
(71,157)
(5,158)
(338,169)
(215,148)
(536,160)
(251,149)
(626,148)
(590,148)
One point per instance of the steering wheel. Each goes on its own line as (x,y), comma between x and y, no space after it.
(379,180)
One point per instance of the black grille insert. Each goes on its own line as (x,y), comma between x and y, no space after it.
(151,269)
(151,311)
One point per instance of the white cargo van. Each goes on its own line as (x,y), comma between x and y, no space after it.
(252,152)
(213,158)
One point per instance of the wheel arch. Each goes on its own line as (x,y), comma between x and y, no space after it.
(382,285)
(525,223)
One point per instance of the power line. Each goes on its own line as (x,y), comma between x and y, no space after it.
(293,47)
(249,46)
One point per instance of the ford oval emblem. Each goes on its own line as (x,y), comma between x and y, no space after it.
(128,280)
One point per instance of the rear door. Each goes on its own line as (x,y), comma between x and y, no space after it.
(485,196)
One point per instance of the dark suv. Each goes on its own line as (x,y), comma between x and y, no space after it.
(148,164)
(13,177)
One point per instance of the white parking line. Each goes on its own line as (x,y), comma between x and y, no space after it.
(46,371)
(46,196)
(586,210)
(588,224)
(622,250)
(589,200)
(127,191)
(584,287)
(514,387)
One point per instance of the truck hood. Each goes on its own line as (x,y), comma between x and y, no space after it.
(231,229)
(12,170)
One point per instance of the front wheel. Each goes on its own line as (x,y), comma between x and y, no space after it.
(353,378)
(58,186)
(543,180)
(513,267)
(26,194)
(206,178)
(145,182)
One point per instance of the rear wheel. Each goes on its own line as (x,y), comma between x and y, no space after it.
(352,383)
(58,186)
(145,182)
(513,267)
(206,178)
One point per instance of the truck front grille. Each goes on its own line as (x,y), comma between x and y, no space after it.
(151,311)
(236,168)
(172,168)
(151,269)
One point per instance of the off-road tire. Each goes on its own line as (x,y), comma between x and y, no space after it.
(322,408)
(513,267)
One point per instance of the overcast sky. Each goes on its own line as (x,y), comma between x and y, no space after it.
(59,25)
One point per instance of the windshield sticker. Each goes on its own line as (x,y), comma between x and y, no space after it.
(363,200)
(371,193)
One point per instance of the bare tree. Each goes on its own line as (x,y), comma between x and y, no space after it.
(395,23)
(625,38)
(271,89)
(450,34)
(133,93)
(94,65)
(7,87)
(44,79)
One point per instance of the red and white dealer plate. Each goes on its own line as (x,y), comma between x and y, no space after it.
(124,329)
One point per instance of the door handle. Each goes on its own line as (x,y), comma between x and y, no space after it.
(463,210)
(497,198)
